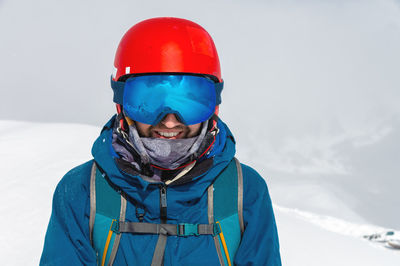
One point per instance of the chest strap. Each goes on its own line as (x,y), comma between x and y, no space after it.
(182,229)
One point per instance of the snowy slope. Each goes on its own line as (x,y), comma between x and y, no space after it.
(34,157)
(303,243)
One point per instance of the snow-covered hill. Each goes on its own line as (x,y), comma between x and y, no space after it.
(34,157)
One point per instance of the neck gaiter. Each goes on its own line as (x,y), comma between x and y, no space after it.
(166,153)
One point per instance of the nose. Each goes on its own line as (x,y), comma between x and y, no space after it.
(170,121)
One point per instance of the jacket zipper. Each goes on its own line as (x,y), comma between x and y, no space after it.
(163,203)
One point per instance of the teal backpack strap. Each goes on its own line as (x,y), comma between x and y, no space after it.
(211,221)
(227,188)
(107,208)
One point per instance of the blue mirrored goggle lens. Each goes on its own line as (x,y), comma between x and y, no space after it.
(147,99)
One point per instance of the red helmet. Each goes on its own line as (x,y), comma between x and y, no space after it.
(167,45)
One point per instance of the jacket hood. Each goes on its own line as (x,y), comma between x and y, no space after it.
(144,192)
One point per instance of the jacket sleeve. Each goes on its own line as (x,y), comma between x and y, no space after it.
(259,244)
(67,239)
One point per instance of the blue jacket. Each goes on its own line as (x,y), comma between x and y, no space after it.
(67,238)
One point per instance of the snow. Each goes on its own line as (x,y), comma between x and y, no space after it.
(35,156)
(307,244)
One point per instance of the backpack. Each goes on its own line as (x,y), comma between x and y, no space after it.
(225,216)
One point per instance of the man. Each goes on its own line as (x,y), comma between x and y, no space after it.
(164,187)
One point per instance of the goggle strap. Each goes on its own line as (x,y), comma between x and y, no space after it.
(218,89)
(118,88)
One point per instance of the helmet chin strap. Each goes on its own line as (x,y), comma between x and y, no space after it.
(216,112)
(123,123)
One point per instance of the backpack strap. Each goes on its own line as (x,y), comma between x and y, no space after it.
(240,195)
(92,201)
(118,236)
(107,207)
(210,211)
(228,187)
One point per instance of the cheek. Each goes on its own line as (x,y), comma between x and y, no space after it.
(143,129)
(194,130)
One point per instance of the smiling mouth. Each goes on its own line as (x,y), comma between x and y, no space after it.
(168,135)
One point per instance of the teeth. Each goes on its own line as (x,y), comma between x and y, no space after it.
(168,134)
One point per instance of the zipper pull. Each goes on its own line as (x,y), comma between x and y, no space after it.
(163,203)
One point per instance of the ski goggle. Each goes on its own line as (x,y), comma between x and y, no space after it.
(149,98)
